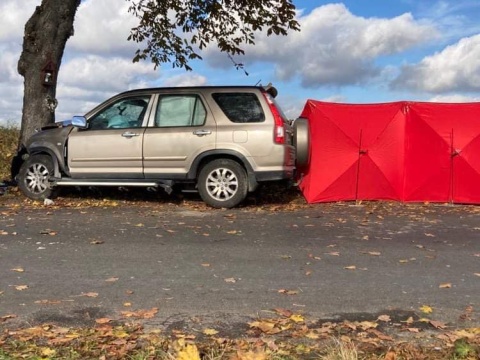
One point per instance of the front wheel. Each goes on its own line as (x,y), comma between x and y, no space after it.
(222,183)
(34,175)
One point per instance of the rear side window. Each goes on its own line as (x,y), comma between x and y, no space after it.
(240,107)
(180,110)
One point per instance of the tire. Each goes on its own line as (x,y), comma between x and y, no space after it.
(34,175)
(301,141)
(222,183)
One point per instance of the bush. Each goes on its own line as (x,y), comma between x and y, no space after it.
(8,146)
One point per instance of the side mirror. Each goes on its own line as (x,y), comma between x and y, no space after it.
(80,122)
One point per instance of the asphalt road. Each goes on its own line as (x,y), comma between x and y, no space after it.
(74,265)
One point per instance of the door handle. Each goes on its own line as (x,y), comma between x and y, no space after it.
(129,134)
(202,132)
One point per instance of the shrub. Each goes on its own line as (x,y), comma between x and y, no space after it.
(8,146)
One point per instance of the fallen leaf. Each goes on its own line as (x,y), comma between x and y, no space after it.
(112,279)
(21,287)
(205,265)
(144,314)
(297,318)
(384,318)
(413,330)
(90,294)
(18,269)
(333,253)
(47,352)
(6,317)
(438,325)
(426,309)
(103,320)
(230,280)
(351,267)
(96,242)
(445,286)
(283,312)
(189,352)
(210,332)
(48,232)
(288,292)
(429,235)
(48,302)
(391,355)
(127,304)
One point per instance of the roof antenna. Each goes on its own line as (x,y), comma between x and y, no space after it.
(238,66)
(258,82)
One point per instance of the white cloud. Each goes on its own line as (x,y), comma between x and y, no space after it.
(14,15)
(456,68)
(334,47)
(187,79)
(102,28)
(455,98)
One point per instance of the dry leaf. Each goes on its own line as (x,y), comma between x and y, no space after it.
(283,312)
(445,286)
(103,320)
(18,269)
(90,294)
(426,309)
(96,242)
(230,280)
(438,325)
(210,332)
(384,318)
(21,287)
(297,318)
(112,279)
(351,267)
(288,292)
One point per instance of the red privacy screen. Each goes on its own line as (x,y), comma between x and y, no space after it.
(405,151)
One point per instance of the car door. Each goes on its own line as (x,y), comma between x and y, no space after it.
(111,146)
(181,129)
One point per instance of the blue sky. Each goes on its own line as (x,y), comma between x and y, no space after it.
(350,51)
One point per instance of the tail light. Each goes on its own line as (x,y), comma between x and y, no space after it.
(279,129)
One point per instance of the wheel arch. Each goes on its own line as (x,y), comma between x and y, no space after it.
(58,164)
(209,156)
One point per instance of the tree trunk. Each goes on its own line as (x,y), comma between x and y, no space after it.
(46,34)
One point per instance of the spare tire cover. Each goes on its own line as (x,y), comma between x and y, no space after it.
(301,141)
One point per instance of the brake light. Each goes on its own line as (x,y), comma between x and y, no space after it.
(279,128)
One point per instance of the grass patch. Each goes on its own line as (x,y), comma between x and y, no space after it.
(8,147)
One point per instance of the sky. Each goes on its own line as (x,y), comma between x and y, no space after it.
(369,51)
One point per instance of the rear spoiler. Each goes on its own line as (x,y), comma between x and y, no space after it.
(270,89)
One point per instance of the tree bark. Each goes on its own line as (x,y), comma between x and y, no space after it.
(46,34)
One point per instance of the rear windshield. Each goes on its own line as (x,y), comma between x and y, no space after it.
(240,107)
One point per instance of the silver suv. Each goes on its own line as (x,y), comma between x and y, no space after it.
(221,141)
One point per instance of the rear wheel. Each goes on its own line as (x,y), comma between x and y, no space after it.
(222,183)
(34,175)
(301,141)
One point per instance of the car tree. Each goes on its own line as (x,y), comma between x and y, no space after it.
(161,37)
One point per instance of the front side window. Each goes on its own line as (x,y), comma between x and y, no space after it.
(180,110)
(123,114)
(240,107)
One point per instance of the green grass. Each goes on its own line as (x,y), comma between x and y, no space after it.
(8,147)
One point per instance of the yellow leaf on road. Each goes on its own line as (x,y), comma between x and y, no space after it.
(21,287)
(210,332)
(189,352)
(297,318)
(445,286)
(426,309)
(18,269)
